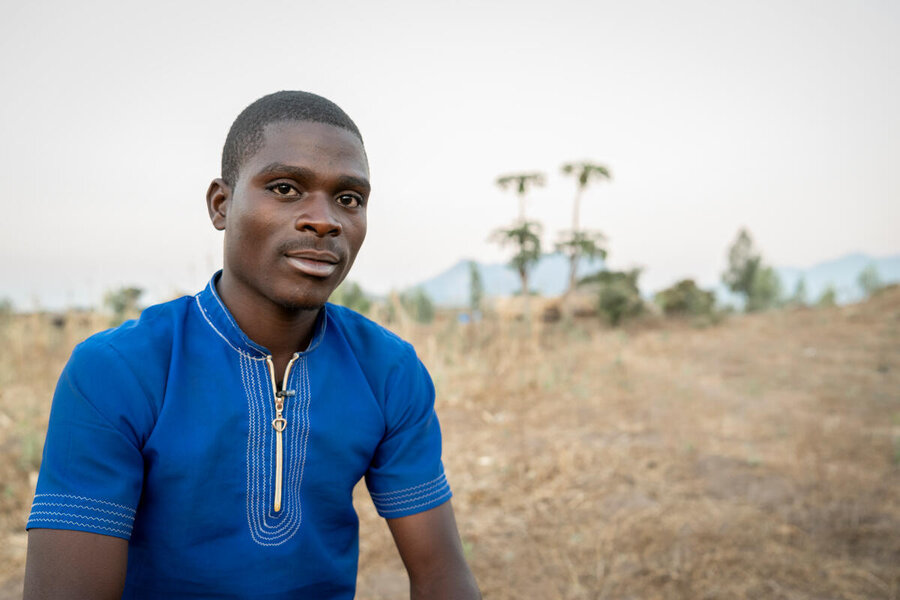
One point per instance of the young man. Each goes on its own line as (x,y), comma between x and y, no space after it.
(210,449)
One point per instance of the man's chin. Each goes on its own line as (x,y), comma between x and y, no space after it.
(306,300)
(302,304)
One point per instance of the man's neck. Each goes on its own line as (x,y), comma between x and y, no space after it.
(283,331)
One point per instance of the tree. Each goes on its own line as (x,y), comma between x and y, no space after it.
(351,295)
(618,295)
(742,264)
(828,297)
(525,238)
(577,243)
(418,305)
(521,182)
(585,172)
(869,280)
(685,298)
(747,275)
(765,291)
(476,287)
(122,302)
(799,296)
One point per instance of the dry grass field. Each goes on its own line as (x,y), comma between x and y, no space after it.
(758,458)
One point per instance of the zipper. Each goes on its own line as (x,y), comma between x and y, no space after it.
(279,422)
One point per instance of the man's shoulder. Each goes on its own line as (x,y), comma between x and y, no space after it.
(145,340)
(157,322)
(367,337)
(114,369)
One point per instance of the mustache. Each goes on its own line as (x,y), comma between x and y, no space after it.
(318,244)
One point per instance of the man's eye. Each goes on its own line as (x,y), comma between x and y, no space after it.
(284,189)
(349,201)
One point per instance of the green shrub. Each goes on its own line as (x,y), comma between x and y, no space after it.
(618,295)
(418,305)
(685,299)
(765,292)
(748,276)
(123,303)
(351,295)
(799,296)
(828,297)
(869,280)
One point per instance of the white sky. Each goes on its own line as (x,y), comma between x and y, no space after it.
(781,116)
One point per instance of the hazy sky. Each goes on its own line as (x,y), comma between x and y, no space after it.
(780,116)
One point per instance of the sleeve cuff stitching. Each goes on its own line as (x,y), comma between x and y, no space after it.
(446,494)
(65,514)
(411,497)
(129,517)
(440,479)
(122,506)
(80,524)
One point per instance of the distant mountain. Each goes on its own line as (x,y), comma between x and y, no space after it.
(549,278)
(841,273)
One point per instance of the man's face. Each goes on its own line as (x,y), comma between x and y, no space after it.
(296,216)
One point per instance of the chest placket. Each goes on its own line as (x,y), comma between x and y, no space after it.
(279,423)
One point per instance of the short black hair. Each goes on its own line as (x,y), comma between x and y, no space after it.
(245,137)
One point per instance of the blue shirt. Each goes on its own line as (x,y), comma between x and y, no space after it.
(164,431)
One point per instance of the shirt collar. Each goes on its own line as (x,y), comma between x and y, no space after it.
(220,319)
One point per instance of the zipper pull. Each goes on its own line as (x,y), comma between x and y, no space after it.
(279,422)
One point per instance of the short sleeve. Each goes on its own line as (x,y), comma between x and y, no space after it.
(406,475)
(92,467)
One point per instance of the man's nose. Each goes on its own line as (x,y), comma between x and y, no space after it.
(317,216)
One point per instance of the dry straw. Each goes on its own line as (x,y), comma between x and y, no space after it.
(759,458)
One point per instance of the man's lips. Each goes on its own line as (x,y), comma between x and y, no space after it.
(315,263)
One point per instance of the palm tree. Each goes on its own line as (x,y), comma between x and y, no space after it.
(586,172)
(520,182)
(582,243)
(525,236)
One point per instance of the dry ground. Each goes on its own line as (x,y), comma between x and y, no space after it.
(759,458)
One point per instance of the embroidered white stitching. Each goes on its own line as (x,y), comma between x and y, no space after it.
(290,519)
(88,499)
(446,494)
(221,335)
(82,524)
(84,507)
(292,516)
(259,508)
(411,497)
(222,306)
(256,447)
(306,402)
(65,514)
(410,489)
(249,444)
(293,410)
(259,513)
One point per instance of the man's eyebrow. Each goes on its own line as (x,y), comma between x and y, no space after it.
(283,169)
(356,183)
(299,173)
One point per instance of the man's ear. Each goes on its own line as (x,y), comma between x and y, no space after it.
(218,197)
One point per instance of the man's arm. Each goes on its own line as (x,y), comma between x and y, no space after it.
(74,564)
(432,552)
